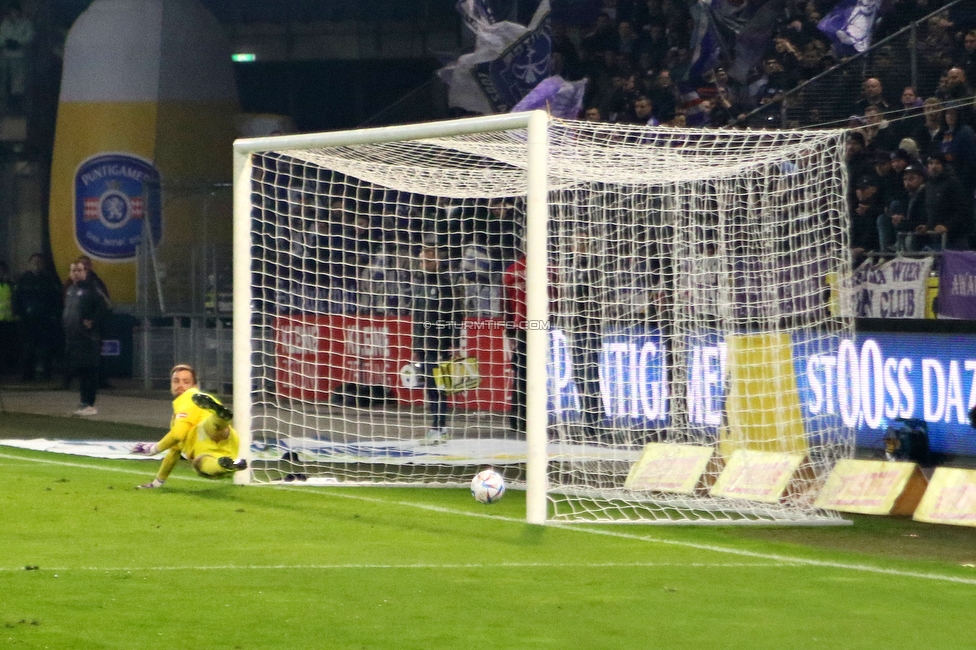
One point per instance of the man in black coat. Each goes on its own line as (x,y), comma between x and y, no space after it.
(904,216)
(947,207)
(437,323)
(37,303)
(85,309)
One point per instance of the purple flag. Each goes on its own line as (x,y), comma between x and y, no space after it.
(957,285)
(849,25)
(563,99)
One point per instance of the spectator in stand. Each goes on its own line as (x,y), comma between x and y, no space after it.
(564,47)
(664,96)
(878,132)
(958,144)
(904,218)
(865,210)
(602,37)
(655,45)
(872,94)
(957,94)
(37,304)
(620,101)
(384,283)
(889,182)
(478,285)
(858,159)
(641,112)
(786,52)
(909,118)
(928,134)
(934,43)
(900,161)
(16,35)
(967,58)
(592,114)
(628,40)
(947,208)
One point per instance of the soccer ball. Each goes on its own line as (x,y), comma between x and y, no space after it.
(488,486)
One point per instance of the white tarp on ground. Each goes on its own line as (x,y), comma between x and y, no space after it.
(394,452)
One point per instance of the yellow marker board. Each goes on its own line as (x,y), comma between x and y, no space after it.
(950,498)
(756,475)
(665,467)
(872,487)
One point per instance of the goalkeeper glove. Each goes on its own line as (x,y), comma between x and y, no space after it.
(145,449)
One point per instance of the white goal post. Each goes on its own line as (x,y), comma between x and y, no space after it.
(676,313)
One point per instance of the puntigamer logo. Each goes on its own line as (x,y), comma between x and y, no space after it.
(115,195)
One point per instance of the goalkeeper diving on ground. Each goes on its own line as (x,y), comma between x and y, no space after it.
(200,431)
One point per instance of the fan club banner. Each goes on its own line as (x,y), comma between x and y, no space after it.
(957,285)
(894,289)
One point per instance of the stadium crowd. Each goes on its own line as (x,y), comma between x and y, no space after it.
(639,60)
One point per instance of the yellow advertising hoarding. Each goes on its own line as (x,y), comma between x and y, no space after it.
(950,498)
(665,467)
(872,487)
(757,475)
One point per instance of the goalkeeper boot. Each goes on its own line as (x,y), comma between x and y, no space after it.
(229,463)
(209,403)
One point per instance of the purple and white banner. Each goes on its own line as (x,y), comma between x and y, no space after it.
(849,25)
(957,285)
(894,289)
(508,61)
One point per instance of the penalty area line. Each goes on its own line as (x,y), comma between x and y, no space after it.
(415,565)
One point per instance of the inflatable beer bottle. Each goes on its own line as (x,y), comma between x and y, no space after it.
(144,133)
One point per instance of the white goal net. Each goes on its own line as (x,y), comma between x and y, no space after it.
(676,326)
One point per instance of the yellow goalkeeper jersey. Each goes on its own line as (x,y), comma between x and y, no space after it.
(186,416)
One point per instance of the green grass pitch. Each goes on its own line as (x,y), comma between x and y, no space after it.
(86,561)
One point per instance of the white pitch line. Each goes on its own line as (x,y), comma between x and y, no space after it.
(475,565)
(769,557)
(103,468)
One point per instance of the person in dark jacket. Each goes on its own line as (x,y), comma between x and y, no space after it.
(437,323)
(586,329)
(864,212)
(85,309)
(948,209)
(37,305)
(904,216)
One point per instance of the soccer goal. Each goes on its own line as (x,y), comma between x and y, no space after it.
(632,324)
